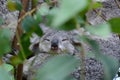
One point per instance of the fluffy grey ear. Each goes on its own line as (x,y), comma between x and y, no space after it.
(76,41)
(34,43)
(74,35)
(44,28)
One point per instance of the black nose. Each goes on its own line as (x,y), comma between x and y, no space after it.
(54,44)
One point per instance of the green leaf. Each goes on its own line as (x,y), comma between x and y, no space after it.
(8,67)
(97,5)
(4,75)
(59,67)
(68,9)
(115,25)
(35,2)
(110,64)
(14,5)
(15,60)
(70,78)
(44,9)
(1,21)
(30,25)
(70,25)
(38,17)
(82,13)
(48,1)
(25,42)
(102,30)
(5,45)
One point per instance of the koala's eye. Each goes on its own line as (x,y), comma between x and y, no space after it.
(46,39)
(64,39)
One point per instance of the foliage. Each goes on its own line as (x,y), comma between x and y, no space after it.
(64,15)
(101,30)
(14,5)
(1,21)
(5,45)
(115,25)
(5,72)
(63,66)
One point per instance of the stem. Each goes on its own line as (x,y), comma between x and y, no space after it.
(16,44)
(116,1)
(101,15)
(19,71)
(82,55)
(1,62)
(27,13)
(20,45)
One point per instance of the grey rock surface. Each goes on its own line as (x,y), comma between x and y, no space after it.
(108,11)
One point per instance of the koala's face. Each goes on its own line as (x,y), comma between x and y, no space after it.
(56,42)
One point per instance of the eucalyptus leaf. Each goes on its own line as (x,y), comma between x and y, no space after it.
(44,9)
(70,25)
(115,25)
(25,42)
(8,67)
(35,2)
(97,5)
(70,78)
(14,5)
(68,9)
(1,21)
(30,25)
(4,75)
(5,45)
(57,68)
(110,64)
(101,30)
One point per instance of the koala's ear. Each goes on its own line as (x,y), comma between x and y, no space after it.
(44,28)
(75,41)
(35,39)
(74,36)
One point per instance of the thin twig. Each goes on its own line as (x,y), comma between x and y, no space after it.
(16,40)
(1,62)
(102,16)
(27,13)
(82,55)
(20,45)
(116,1)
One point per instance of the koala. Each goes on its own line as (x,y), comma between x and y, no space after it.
(54,41)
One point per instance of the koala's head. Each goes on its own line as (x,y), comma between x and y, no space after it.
(56,42)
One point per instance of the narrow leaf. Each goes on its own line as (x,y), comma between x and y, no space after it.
(14,5)
(68,9)
(30,25)
(110,64)
(58,67)
(5,45)
(115,25)
(101,30)
(4,75)
(1,21)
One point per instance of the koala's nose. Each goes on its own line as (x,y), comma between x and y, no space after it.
(54,44)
